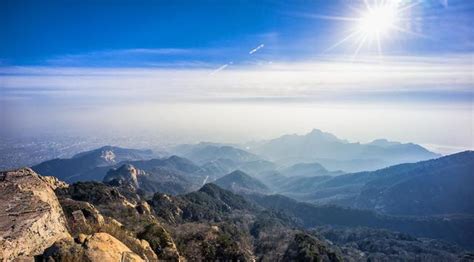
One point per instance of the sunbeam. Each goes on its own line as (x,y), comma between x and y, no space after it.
(376,22)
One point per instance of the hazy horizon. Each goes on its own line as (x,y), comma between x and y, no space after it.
(233,72)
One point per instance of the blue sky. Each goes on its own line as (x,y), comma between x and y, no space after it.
(273,65)
(99,33)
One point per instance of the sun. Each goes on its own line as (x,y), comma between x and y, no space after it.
(378,21)
(375,22)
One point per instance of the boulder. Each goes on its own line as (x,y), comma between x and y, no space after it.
(104,247)
(98,247)
(81,216)
(31,218)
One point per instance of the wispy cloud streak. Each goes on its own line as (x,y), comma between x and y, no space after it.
(220,68)
(256,49)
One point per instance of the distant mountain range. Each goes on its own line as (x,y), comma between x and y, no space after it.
(171,174)
(338,154)
(433,187)
(315,154)
(90,164)
(174,209)
(223,159)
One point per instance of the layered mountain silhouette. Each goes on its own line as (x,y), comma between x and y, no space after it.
(222,159)
(207,152)
(308,170)
(338,154)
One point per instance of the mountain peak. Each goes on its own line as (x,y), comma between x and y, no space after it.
(238,173)
(239,181)
(125,174)
(324,136)
(316,131)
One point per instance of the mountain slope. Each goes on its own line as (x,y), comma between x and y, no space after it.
(434,187)
(239,181)
(115,154)
(308,170)
(455,228)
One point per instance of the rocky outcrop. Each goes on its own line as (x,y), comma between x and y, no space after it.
(149,177)
(54,182)
(81,216)
(104,247)
(31,218)
(98,247)
(161,242)
(126,175)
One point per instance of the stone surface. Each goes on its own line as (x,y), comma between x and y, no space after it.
(54,182)
(104,247)
(98,247)
(80,212)
(31,218)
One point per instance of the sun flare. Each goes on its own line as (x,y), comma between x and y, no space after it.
(378,21)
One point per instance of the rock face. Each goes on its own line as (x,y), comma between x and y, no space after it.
(160,241)
(124,175)
(31,218)
(157,176)
(104,247)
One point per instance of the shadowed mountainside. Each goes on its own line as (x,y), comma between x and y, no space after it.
(434,187)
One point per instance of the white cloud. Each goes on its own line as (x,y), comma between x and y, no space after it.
(331,79)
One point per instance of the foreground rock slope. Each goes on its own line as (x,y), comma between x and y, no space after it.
(38,221)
